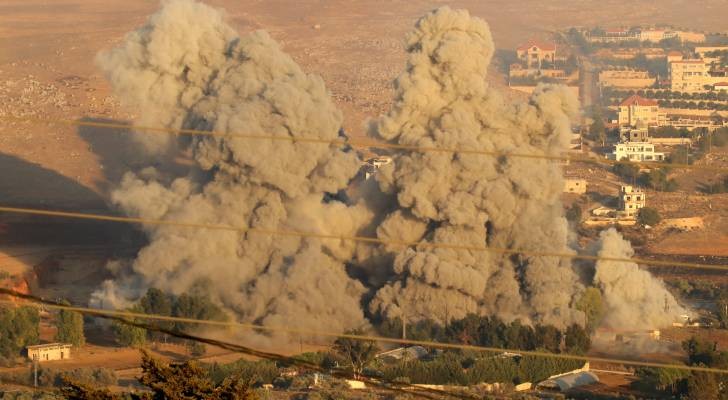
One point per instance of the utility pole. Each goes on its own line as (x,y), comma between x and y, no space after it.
(35,372)
(404,324)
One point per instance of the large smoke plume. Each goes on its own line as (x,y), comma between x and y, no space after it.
(187,69)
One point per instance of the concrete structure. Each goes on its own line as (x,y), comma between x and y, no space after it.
(691,76)
(630,134)
(535,53)
(651,35)
(636,152)
(49,352)
(373,164)
(690,36)
(614,36)
(631,199)
(690,122)
(625,79)
(577,186)
(636,109)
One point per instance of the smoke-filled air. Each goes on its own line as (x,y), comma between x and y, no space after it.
(186,68)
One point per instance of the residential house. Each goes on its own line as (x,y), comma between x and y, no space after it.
(535,53)
(49,352)
(636,152)
(692,76)
(631,200)
(636,109)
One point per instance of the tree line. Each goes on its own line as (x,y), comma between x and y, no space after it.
(666,94)
(691,385)
(195,305)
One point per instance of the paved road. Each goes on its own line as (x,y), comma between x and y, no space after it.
(588,91)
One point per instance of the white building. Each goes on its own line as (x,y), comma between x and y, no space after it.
(636,152)
(631,199)
(49,352)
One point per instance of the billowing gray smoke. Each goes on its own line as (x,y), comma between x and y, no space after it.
(187,69)
(443,100)
(633,297)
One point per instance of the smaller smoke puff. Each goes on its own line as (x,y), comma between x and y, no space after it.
(634,298)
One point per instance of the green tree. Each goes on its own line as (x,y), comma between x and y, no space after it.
(627,171)
(128,335)
(671,380)
(196,349)
(577,340)
(597,130)
(357,353)
(703,385)
(170,381)
(548,337)
(69,328)
(157,302)
(648,216)
(657,179)
(197,306)
(18,329)
(592,305)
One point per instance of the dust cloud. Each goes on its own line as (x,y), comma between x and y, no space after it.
(186,68)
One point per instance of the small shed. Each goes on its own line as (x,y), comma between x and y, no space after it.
(49,352)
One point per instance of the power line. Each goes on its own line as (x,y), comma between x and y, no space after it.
(354,238)
(310,332)
(358,143)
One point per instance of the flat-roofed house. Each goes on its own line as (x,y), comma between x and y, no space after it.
(49,352)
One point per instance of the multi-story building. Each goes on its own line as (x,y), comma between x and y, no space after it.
(631,199)
(651,35)
(689,75)
(689,36)
(614,36)
(636,109)
(535,53)
(636,152)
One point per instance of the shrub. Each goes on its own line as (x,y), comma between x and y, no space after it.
(648,216)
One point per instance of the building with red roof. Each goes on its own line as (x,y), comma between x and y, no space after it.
(534,53)
(636,110)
